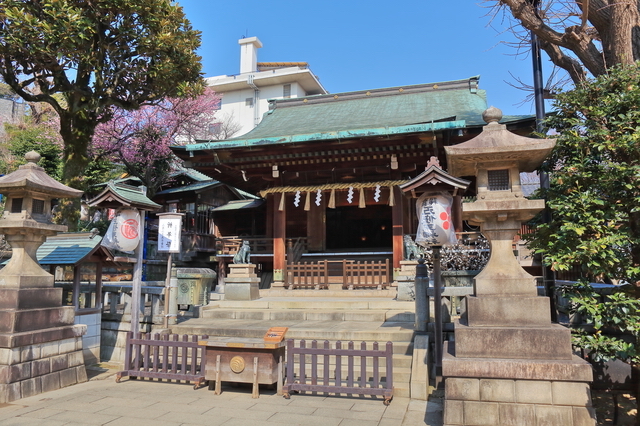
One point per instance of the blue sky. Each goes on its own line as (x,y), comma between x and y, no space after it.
(357,45)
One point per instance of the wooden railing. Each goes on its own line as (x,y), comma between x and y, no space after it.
(366,274)
(230,245)
(352,275)
(323,372)
(165,357)
(295,248)
(307,274)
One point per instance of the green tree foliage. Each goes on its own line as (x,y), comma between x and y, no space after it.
(595,180)
(594,198)
(24,137)
(98,54)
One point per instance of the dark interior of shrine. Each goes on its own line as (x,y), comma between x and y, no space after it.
(350,227)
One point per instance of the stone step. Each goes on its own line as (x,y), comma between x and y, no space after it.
(245,328)
(310,314)
(315,303)
(358,293)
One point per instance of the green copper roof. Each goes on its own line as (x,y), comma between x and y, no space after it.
(396,110)
(192,173)
(68,248)
(192,187)
(120,195)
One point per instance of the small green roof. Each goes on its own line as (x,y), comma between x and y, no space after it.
(68,248)
(197,186)
(240,204)
(119,195)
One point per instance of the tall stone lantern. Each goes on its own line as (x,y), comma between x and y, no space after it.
(509,364)
(40,347)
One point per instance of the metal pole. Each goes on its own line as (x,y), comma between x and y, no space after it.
(173,296)
(167,284)
(136,291)
(437,279)
(422,300)
(538,87)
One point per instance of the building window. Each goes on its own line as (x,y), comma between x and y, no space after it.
(498,180)
(37,206)
(248,102)
(286,91)
(16,205)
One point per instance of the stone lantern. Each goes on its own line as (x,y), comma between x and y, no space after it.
(509,364)
(40,347)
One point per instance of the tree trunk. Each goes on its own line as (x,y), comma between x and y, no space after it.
(77,133)
(617,41)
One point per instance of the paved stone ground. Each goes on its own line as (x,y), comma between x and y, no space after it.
(101,401)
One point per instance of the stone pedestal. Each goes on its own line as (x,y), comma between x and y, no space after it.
(40,347)
(509,365)
(242,283)
(406,280)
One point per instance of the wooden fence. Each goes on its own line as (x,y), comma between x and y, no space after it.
(351,274)
(165,357)
(366,274)
(316,376)
(307,274)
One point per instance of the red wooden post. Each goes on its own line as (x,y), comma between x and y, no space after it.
(279,241)
(398,228)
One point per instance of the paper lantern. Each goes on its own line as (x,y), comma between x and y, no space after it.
(435,226)
(123,233)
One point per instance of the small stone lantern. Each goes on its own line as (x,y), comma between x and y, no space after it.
(32,318)
(26,221)
(496,157)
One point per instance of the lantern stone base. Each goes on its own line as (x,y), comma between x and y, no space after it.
(242,283)
(514,311)
(406,280)
(516,391)
(551,342)
(40,347)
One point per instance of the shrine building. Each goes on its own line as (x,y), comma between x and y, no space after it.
(332,169)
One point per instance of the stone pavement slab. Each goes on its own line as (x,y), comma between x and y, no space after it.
(144,402)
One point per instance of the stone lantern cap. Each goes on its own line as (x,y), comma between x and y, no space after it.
(495,146)
(31,178)
(29,191)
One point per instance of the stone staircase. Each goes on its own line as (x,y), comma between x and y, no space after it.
(344,318)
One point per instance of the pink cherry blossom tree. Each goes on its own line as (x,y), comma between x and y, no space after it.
(140,139)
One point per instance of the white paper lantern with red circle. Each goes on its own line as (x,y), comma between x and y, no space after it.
(124,232)
(435,226)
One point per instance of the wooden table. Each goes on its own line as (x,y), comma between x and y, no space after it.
(244,360)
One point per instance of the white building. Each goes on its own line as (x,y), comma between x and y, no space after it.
(245,96)
(11,111)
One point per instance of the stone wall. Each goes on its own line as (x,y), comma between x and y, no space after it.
(91,340)
(517,402)
(30,370)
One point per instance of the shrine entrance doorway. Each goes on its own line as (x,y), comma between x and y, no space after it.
(350,227)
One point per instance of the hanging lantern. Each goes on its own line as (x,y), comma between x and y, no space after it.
(435,226)
(123,233)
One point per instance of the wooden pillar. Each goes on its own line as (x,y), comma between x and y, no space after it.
(76,287)
(397,216)
(98,303)
(317,226)
(279,240)
(456,213)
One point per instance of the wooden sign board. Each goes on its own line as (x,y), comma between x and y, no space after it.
(275,334)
